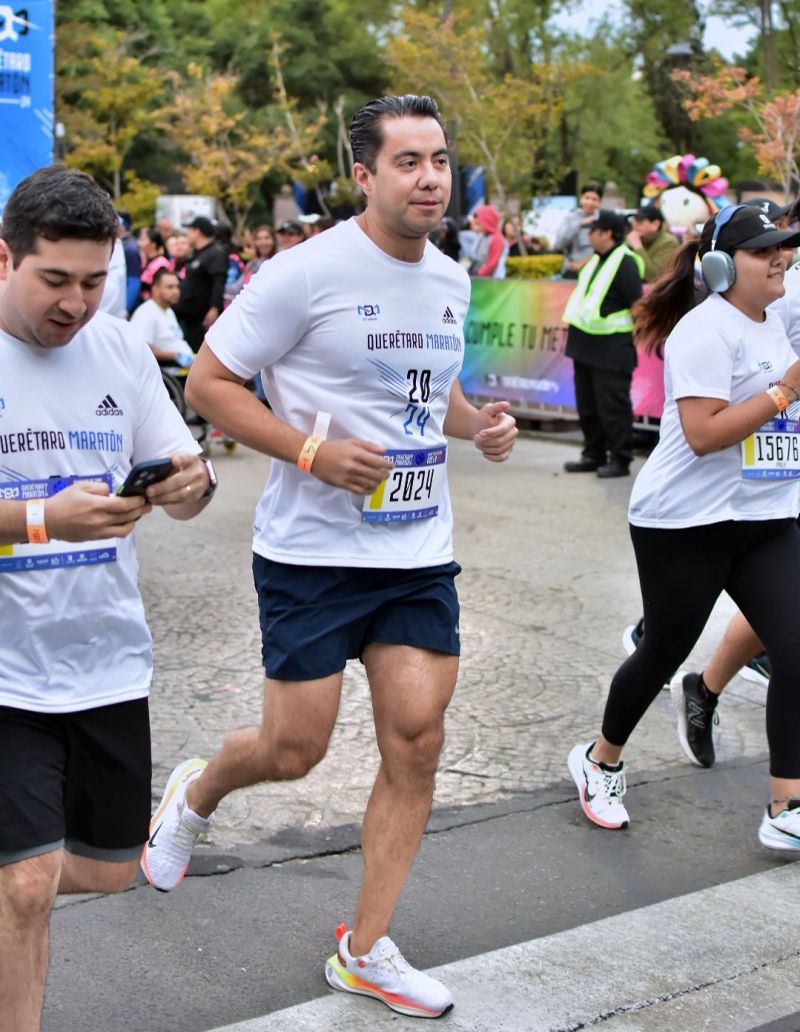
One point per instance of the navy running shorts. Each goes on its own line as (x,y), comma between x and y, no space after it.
(315,618)
(75,780)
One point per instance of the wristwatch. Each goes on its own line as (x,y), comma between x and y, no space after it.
(213,483)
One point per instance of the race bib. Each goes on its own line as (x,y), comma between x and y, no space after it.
(773,451)
(19,558)
(413,488)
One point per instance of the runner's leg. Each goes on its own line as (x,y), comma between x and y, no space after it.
(298,720)
(739,644)
(27,892)
(681,573)
(411,689)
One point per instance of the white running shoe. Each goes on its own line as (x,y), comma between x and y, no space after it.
(174,830)
(385,974)
(600,791)
(782,831)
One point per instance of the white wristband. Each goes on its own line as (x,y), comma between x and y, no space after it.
(34,519)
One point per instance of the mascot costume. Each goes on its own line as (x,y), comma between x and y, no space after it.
(688,190)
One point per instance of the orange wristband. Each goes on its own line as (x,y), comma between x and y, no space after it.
(310,445)
(34,518)
(779,398)
(307,453)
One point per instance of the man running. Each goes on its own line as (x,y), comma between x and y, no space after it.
(82,401)
(358,334)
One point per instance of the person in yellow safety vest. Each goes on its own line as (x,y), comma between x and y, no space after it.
(600,343)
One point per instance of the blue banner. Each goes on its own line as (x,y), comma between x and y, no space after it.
(26,91)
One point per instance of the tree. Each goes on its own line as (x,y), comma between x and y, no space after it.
(665,35)
(498,120)
(230,149)
(773,123)
(106,97)
(609,126)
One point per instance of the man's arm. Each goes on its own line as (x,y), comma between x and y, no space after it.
(181,493)
(220,396)
(85,511)
(218,270)
(628,282)
(491,428)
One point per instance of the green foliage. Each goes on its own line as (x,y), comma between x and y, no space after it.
(533,266)
(609,129)
(524,99)
(498,120)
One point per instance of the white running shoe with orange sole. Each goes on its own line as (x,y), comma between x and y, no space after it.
(174,830)
(386,975)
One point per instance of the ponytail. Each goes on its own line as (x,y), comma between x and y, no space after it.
(671,296)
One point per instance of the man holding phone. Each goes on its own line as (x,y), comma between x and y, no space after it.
(81,403)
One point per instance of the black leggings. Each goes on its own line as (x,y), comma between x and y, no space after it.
(682,573)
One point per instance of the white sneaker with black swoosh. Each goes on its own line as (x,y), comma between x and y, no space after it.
(781,831)
(174,830)
(600,790)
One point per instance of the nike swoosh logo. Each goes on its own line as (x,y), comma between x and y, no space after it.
(151,843)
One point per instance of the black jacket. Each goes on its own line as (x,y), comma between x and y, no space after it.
(204,284)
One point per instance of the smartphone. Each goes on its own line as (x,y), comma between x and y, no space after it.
(143,475)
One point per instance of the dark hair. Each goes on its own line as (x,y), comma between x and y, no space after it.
(155,237)
(56,203)
(366,129)
(160,274)
(670,297)
(592,186)
(224,234)
(675,292)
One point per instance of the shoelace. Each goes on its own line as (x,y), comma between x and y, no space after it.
(391,955)
(614,783)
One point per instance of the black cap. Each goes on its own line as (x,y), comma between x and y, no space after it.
(650,212)
(291,227)
(206,226)
(771,208)
(605,218)
(751,229)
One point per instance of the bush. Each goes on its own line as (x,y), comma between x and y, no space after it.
(534,266)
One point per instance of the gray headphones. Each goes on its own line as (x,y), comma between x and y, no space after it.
(719,272)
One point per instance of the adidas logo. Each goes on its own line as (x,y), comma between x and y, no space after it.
(108,407)
(448,316)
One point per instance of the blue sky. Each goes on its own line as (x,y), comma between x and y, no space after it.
(727,40)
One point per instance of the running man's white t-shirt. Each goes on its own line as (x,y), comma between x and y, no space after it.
(715,351)
(73,636)
(788,306)
(159,327)
(338,326)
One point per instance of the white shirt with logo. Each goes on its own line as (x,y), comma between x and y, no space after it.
(74,635)
(336,325)
(159,327)
(715,351)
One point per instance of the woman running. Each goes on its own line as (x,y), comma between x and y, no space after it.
(715,506)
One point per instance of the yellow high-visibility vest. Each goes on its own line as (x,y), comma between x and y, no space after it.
(583,307)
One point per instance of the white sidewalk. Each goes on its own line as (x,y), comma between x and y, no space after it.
(726,959)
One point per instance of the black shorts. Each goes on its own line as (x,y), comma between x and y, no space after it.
(315,618)
(78,780)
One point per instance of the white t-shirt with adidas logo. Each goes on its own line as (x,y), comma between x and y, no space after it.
(338,326)
(73,633)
